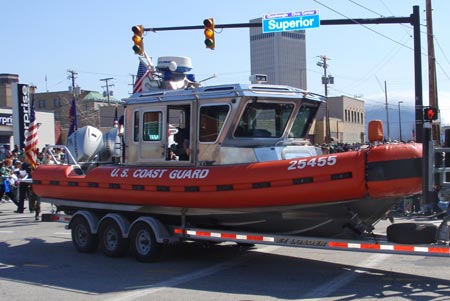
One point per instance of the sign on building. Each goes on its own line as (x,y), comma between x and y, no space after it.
(21,113)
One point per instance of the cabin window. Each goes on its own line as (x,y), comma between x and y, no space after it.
(212,119)
(262,119)
(136,127)
(303,120)
(152,128)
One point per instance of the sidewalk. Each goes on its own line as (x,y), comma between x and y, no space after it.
(8,207)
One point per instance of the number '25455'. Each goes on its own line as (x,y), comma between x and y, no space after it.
(312,162)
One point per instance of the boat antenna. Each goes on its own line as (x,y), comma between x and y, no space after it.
(148,62)
(208,78)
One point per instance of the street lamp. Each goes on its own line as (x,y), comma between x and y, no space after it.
(400,119)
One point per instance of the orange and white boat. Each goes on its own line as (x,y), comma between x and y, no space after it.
(230,156)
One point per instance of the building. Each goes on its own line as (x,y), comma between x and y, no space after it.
(6,82)
(93,108)
(45,121)
(281,55)
(52,112)
(347,121)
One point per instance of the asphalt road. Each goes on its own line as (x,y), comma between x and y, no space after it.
(38,262)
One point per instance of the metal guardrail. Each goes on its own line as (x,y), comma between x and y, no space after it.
(441,168)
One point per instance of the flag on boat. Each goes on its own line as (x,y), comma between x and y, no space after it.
(142,73)
(31,139)
(73,117)
(116,119)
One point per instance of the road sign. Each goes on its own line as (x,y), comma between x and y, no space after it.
(290,21)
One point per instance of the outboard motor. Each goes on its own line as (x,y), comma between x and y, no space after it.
(111,149)
(85,143)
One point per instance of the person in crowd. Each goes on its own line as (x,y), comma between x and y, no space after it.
(5,152)
(25,191)
(5,186)
(16,148)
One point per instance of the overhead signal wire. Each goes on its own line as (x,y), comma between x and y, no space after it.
(365,26)
(366,8)
(405,26)
(423,52)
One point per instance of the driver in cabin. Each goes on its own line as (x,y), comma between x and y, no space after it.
(181,146)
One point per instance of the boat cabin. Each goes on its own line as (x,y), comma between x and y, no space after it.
(176,121)
(218,125)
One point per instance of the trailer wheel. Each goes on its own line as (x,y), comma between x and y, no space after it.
(112,243)
(143,243)
(82,238)
(411,233)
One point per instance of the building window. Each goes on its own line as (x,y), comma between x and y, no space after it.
(56,102)
(41,104)
(57,115)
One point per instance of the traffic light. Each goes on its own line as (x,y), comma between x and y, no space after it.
(138,39)
(430,114)
(209,33)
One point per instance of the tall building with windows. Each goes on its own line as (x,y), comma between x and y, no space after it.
(282,56)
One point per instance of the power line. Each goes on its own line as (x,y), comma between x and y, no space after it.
(405,27)
(365,26)
(366,8)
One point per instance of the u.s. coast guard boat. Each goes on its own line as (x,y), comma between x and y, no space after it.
(228,156)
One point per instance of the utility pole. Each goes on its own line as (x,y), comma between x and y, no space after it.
(326,80)
(72,76)
(387,112)
(432,90)
(107,86)
(400,120)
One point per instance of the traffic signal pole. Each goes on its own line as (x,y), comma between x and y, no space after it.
(423,134)
(413,19)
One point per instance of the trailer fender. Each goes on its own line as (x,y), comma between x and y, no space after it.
(90,217)
(161,232)
(120,220)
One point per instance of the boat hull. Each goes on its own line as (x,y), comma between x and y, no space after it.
(320,195)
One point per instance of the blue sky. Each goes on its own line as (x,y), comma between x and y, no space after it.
(43,39)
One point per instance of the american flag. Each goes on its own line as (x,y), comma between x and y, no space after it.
(31,139)
(116,119)
(73,117)
(142,73)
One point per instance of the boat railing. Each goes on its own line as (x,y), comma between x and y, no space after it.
(60,155)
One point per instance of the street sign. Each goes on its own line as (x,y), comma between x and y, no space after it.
(290,21)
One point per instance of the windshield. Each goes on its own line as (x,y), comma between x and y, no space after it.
(261,119)
(303,120)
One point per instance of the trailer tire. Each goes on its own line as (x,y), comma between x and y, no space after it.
(411,233)
(112,243)
(82,237)
(143,243)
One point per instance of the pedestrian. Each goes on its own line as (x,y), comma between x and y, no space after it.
(25,189)
(5,186)
(5,152)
